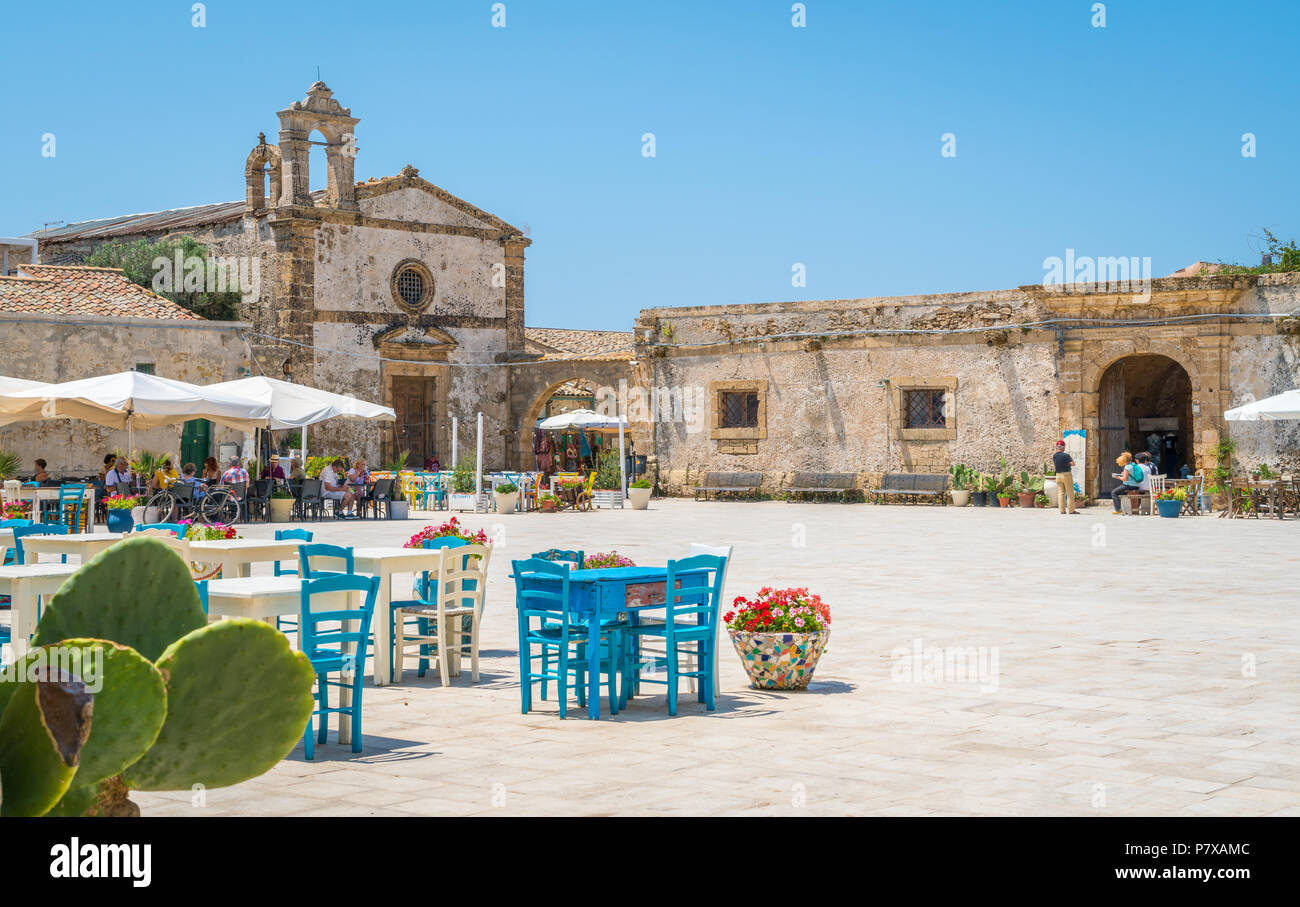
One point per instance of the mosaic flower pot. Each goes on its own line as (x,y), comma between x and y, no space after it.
(779,661)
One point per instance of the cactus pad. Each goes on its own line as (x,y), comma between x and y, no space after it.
(238,700)
(130,705)
(138,593)
(42,731)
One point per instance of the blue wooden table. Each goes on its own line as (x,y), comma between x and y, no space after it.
(605,594)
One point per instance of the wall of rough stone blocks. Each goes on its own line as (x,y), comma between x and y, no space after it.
(66,351)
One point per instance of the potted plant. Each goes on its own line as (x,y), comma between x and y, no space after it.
(281,504)
(451,528)
(608,490)
(1041,500)
(462,495)
(1028,488)
(1170,502)
(603,559)
(639,494)
(961,479)
(548,502)
(779,636)
(17,510)
(120,508)
(507,497)
(207,532)
(978,489)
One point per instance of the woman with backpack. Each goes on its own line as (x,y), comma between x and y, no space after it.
(1131,477)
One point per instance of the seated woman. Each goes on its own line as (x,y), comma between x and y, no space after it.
(41,477)
(163,478)
(211,471)
(276,471)
(1131,477)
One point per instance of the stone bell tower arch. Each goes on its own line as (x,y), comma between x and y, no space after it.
(318,112)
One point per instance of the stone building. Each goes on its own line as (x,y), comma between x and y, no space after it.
(917,383)
(60,323)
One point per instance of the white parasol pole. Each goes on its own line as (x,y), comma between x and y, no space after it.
(478,464)
(622,461)
(455,429)
(304,447)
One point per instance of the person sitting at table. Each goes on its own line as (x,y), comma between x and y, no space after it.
(189,476)
(165,475)
(431,464)
(109,460)
(336,490)
(1131,476)
(40,477)
(296,472)
(211,471)
(276,472)
(236,476)
(120,474)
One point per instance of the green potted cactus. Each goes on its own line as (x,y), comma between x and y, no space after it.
(128,686)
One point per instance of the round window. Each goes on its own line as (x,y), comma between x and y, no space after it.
(412,286)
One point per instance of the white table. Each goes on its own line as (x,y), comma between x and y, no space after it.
(39,495)
(265,598)
(23,585)
(83,544)
(385,563)
(236,556)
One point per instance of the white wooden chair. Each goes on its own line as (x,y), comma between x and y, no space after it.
(1157,487)
(448,605)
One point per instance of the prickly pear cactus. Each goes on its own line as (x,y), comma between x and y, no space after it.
(44,727)
(137,593)
(238,699)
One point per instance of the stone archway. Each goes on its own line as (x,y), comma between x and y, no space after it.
(1202,357)
(1144,403)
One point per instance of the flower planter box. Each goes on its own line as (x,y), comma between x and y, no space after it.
(779,661)
(462,501)
(281,509)
(607,498)
(639,497)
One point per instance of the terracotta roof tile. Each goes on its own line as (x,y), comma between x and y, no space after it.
(560,343)
(74,291)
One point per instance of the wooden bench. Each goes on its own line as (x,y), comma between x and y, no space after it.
(913,487)
(728,483)
(838,483)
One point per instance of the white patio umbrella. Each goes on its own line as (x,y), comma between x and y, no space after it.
(583,419)
(297,405)
(1282,406)
(131,400)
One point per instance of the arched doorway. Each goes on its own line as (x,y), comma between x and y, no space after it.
(1144,403)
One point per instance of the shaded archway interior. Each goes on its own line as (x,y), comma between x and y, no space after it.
(1145,404)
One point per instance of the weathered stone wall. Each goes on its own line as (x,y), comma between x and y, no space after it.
(1262,363)
(55,350)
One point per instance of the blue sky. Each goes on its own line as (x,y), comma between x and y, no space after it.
(775,145)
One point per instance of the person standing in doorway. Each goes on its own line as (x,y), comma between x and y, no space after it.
(1062,463)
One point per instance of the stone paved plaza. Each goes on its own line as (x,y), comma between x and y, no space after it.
(1144,667)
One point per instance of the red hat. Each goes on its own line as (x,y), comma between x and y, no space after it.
(1060,443)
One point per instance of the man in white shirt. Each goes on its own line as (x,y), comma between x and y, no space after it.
(120,473)
(336,490)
